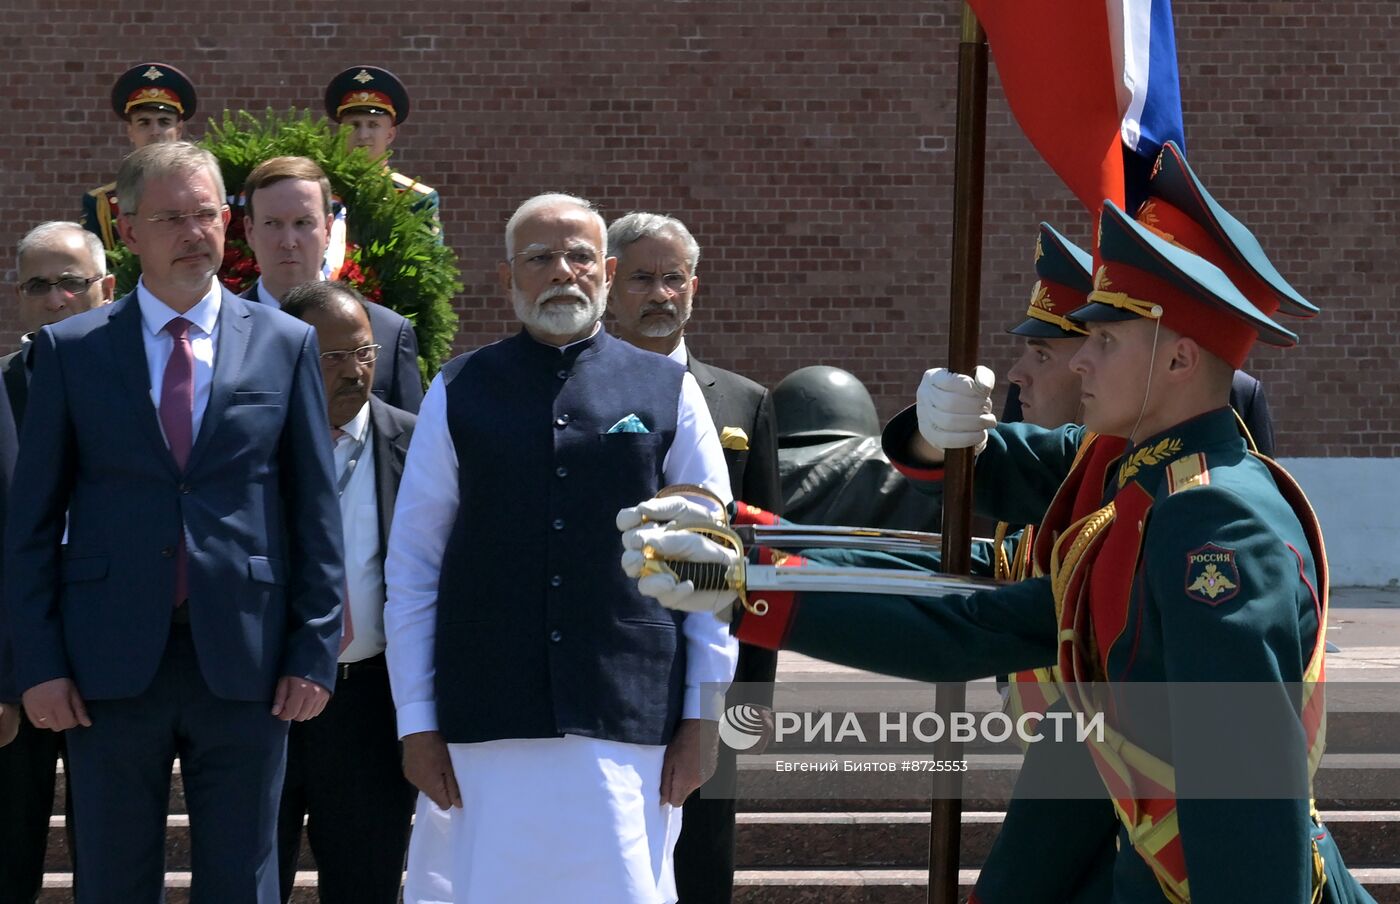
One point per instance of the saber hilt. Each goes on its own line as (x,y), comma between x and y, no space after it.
(708,576)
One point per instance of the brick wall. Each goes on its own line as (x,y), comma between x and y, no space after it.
(808,145)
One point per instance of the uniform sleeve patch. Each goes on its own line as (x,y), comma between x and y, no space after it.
(1212,577)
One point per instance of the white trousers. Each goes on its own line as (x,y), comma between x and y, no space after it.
(547,820)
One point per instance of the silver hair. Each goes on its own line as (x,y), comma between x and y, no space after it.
(53,228)
(160,159)
(547,200)
(641,225)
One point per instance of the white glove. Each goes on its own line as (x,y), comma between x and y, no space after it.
(665,510)
(676,546)
(955,411)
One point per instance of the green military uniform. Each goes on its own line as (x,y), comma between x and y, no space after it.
(1042,840)
(425,197)
(1202,564)
(100,213)
(147,86)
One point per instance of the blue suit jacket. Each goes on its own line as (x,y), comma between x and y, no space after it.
(257,499)
(397,380)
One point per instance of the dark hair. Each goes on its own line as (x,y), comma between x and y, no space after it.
(280,169)
(322,296)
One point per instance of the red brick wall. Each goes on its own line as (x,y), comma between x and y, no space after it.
(807,144)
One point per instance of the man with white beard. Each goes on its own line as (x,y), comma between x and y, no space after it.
(553,718)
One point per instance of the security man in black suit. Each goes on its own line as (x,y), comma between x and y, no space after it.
(62,270)
(154,100)
(287,219)
(343,773)
(651,299)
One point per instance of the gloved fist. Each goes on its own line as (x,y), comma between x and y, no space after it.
(676,547)
(664,510)
(954,410)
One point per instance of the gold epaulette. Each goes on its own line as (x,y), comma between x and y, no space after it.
(1186,472)
(406,183)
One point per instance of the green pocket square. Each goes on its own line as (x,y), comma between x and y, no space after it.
(629,424)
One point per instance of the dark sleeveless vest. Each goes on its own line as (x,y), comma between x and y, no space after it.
(539,632)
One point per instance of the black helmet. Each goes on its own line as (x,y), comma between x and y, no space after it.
(821,402)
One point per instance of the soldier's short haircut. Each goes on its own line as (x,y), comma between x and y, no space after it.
(547,200)
(322,296)
(53,228)
(280,169)
(162,159)
(641,225)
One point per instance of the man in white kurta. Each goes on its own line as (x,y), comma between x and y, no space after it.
(588,813)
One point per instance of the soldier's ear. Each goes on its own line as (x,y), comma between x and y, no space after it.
(504,276)
(1186,356)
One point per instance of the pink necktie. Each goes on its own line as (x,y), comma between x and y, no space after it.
(177,420)
(347,624)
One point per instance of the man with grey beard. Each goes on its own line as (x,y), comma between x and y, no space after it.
(553,718)
(651,302)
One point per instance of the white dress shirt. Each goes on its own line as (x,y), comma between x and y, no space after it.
(265,296)
(359,515)
(679,354)
(203,334)
(423,519)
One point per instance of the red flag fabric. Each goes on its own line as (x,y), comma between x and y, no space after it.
(1055,60)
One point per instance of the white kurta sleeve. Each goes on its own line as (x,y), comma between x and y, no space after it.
(423,518)
(711,651)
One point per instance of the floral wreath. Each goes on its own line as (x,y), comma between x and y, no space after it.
(392,253)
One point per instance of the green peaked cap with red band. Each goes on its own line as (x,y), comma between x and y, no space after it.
(1179,209)
(1065,276)
(157,85)
(1141,274)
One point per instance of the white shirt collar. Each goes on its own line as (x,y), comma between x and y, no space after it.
(266,297)
(679,354)
(155,314)
(359,424)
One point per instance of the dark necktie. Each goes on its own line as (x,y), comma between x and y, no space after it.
(177,420)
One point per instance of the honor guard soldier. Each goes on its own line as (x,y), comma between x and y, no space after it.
(155,100)
(369,103)
(1199,562)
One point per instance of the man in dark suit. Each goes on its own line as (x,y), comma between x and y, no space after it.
(287,219)
(62,271)
(651,300)
(10,714)
(343,773)
(173,553)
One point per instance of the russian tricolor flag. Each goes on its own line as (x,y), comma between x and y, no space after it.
(1093,84)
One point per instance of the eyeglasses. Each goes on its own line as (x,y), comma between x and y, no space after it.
(204,218)
(68,285)
(642,283)
(580,260)
(365,354)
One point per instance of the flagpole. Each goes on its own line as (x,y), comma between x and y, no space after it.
(945,813)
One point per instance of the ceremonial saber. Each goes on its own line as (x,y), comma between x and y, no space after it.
(756,579)
(870,539)
(945,811)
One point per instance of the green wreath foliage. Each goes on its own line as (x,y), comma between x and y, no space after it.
(394,255)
